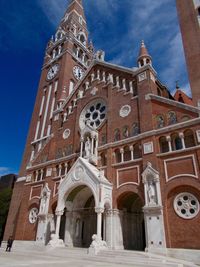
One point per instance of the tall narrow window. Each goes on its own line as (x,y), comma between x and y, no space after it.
(71,86)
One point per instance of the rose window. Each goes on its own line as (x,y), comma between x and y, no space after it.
(33,214)
(186,205)
(94,114)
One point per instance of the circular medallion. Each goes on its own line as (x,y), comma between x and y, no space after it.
(186,205)
(33,215)
(79,173)
(125,111)
(93,114)
(66,133)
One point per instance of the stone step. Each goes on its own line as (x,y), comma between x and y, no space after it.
(143,258)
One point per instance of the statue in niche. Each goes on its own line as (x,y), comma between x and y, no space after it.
(43,203)
(172,117)
(87,147)
(135,129)
(160,121)
(151,193)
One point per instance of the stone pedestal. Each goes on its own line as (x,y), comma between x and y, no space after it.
(97,245)
(55,241)
(154,226)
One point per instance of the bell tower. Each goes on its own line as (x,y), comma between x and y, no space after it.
(189,20)
(68,55)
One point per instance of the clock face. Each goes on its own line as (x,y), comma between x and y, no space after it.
(78,72)
(52,72)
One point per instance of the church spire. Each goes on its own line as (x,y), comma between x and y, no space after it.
(76,6)
(144,58)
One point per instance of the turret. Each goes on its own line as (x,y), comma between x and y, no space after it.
(144,58)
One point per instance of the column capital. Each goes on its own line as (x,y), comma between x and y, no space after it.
(59,212)
(99,209)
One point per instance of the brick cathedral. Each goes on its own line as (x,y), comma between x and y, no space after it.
(112,158)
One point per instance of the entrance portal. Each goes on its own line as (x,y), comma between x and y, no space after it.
(80,221)
(132,221)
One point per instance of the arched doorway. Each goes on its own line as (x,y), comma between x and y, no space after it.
(132,221)
(79,221)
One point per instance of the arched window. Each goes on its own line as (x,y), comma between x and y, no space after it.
(71,86)
(160,121)
(135,129)
(171,116)
(117,135)
(125,132)
(103,159)
(82,38)
(176,142)
(117,156)
(63,169)
(189,138)
(57,170)
(127,154)
(164,147)
(137,153)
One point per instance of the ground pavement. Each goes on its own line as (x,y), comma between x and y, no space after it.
(40,256)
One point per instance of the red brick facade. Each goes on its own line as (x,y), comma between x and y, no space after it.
(143,124)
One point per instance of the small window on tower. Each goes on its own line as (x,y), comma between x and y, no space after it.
(80,19)
(71,87)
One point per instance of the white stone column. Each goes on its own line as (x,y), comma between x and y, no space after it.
(58,220)
(41,174)
(131,86)
(60,169)
(181,135)
(98,75)
(117,82)
(124,84)
(66,168)
(99,212)
(104,76)
(59,49)
(92,146)
(132,152)
(54,53)
(117,235)
(36,176)
(122,154)
(87,84)
(82,140)
(92,77)
(169,143)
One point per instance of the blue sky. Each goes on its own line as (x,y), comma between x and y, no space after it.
(116,26)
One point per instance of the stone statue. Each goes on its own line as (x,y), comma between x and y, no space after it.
(43,204)
(87,147)
(151,193)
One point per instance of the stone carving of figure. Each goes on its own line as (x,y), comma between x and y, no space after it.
(160,121)
(172,117)
(87,147)
(43,204)
(151,193)
(135,129)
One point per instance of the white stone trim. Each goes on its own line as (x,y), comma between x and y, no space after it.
(46,110)
(133,167)
(173,103)
(142,76)
(180,175)
(21,179)
(38,197)
(54,188)
(180,198)
(148,148)
(198,135)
